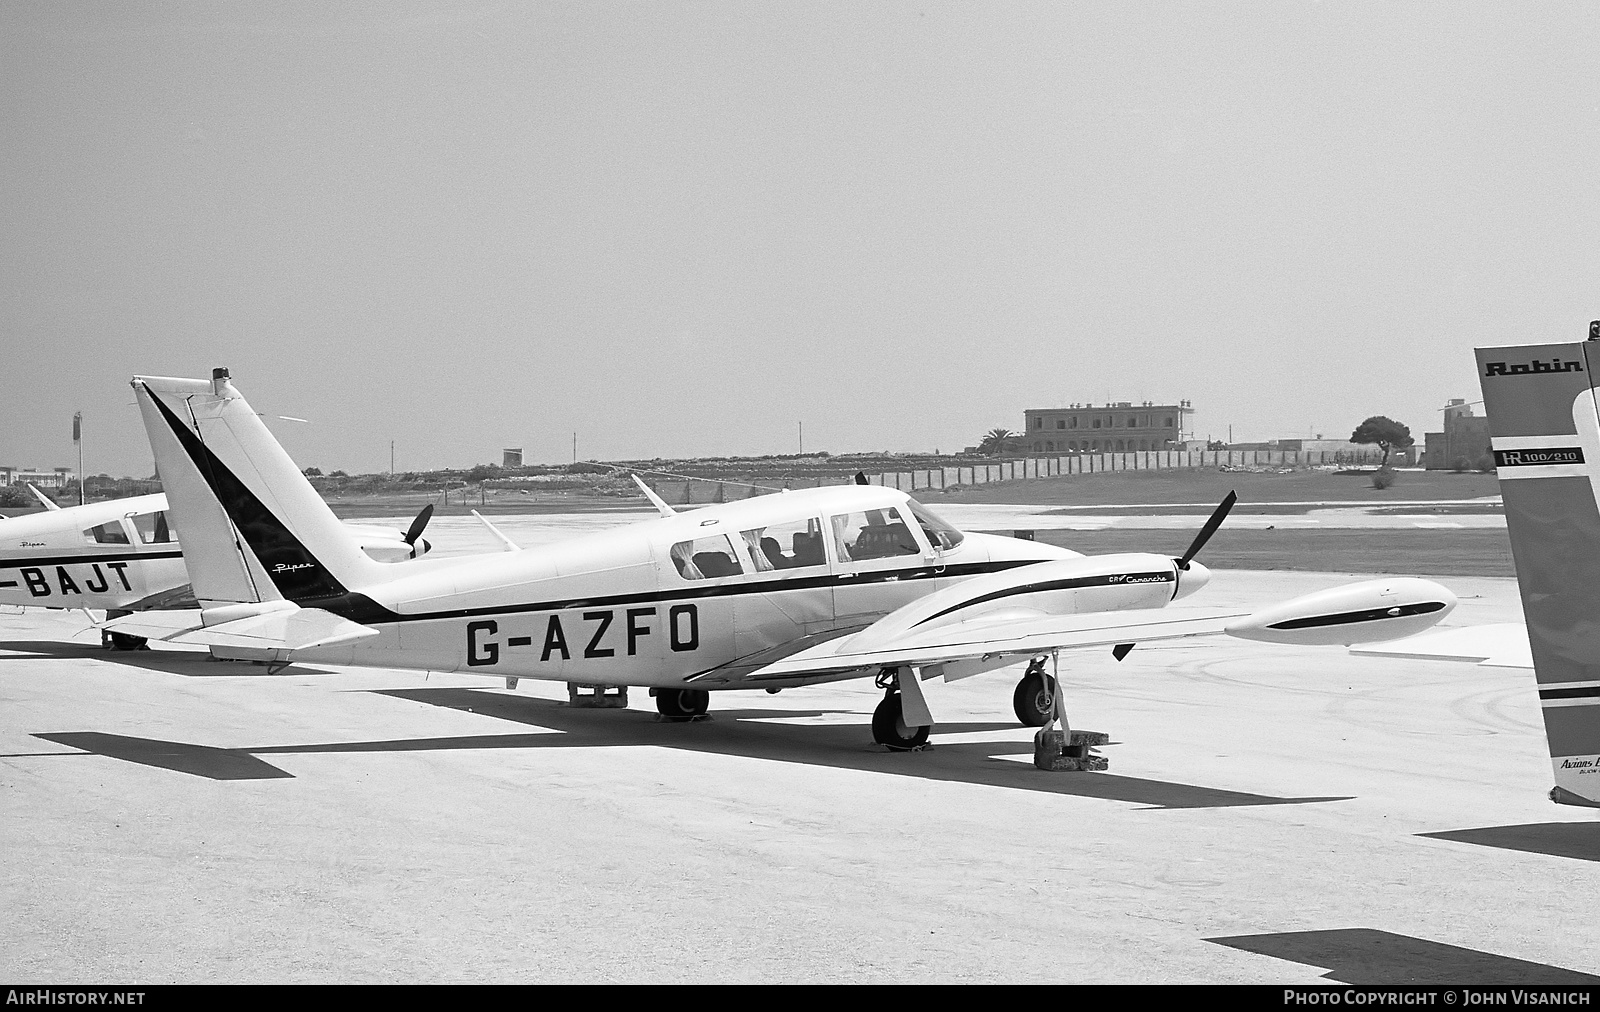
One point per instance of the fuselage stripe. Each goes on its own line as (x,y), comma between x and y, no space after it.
(697,593)
(1076,583)
(68,560)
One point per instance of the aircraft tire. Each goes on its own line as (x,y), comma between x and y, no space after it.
(890,730)
(683,702)
(123,641)
(1034,699)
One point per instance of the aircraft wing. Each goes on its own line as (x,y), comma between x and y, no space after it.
(987,621)
(1503,645)
(999,640)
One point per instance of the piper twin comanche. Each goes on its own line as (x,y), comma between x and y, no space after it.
(772,592)
(122,555)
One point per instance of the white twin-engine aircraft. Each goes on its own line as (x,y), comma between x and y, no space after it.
(122,555)
(768,593)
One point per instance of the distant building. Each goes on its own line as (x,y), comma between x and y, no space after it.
(1116,427)
(1464,441)
(511,457)
(58,478)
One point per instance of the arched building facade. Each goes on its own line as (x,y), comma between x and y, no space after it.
(1117,427)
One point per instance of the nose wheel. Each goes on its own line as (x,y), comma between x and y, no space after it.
(1034,700)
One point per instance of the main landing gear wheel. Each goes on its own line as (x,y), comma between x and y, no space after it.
(120,641)
(889,726)
(682,703)
(1035,698)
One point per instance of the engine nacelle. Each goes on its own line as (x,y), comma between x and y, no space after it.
(1062,587)
(1357,613)
(385,544)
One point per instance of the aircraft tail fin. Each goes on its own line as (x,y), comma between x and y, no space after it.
(1545,426)
(252,527)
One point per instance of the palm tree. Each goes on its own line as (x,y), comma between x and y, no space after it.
(996,442)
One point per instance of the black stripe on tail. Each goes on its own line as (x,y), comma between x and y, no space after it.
(297,574)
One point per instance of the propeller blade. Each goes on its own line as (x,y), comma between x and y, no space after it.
(418,524)
(1219,515)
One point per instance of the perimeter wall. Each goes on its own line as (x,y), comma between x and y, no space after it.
(1023,468)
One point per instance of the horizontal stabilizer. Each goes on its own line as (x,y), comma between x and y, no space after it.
(154,625)
(273,625)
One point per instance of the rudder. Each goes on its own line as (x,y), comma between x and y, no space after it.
(252,527)
(1545,426)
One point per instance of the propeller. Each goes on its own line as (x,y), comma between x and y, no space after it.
(415,530)
(1218,515)
(1199,542)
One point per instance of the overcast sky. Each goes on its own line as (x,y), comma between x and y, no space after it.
(681,228)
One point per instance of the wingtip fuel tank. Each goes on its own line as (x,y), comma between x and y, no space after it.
(1369,612)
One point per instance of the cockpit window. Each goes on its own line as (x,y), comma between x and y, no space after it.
(875,534)
(153,528)
(794,544)
(940,532)
(106,534)
(706,558)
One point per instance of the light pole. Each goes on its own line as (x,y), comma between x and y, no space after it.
(77,437)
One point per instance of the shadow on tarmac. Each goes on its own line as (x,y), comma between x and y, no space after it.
(1580,840)
(749,733)
(1370,956)
(189,663)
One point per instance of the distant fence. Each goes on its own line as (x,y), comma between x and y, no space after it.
(1023,468)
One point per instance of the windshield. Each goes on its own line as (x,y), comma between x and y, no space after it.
(941,533)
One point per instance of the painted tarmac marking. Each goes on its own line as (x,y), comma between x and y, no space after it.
(1370,956)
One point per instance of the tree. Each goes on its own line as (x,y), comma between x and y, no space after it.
(998,441)
(312,472)
(1384,431)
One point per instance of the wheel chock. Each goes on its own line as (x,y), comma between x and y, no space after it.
(597,697)
(1064,752)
